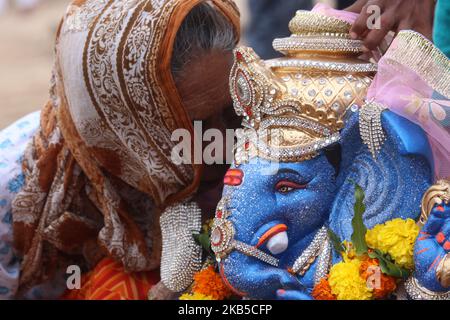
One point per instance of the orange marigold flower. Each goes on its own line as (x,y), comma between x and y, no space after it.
(322,291)
(383,286)
(209,283)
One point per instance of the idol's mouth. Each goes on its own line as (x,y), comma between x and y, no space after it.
(274,237)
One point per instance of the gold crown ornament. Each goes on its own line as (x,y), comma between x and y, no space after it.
(296,105)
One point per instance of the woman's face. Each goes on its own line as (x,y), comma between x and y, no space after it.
(203,86)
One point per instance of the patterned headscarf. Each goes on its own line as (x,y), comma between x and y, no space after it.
(100,165)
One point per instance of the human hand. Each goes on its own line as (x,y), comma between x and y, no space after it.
(396,15)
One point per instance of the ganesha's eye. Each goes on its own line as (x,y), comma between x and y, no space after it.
(285,189)
(286,186)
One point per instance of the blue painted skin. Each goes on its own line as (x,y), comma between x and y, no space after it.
(394,184)
(256,207)
(428,251)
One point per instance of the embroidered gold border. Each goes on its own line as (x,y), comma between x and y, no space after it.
(420,55)
(310,22)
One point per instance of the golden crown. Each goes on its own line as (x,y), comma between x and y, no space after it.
(297,104)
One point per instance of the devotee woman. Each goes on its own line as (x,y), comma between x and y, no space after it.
(86,180)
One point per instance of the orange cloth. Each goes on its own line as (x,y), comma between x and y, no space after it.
(109,281)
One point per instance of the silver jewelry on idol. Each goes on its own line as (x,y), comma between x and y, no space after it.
(181,255)
(370,126)
(416,292)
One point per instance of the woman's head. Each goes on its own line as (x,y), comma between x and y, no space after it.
(201,62)
(202,59)
(108,123)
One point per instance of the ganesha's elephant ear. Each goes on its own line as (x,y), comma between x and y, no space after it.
(394,180)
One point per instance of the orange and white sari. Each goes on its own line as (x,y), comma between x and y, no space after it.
(98,171)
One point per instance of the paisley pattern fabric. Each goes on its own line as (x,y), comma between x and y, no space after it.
(99,169)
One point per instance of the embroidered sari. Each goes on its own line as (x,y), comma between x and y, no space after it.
(98,171)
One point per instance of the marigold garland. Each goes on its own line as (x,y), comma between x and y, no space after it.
(209,283)
(322,291)
(346,282)
(396,238)
(385,284)
(195,296)
(351,278)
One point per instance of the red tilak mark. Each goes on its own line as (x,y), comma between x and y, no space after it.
(440,208)
(270,233)
(446,245)
(440,238)
(423,250)
(233,177)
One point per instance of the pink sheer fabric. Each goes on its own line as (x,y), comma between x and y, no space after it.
(326,10)
(413,80)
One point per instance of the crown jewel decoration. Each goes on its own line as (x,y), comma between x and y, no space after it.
(294,106)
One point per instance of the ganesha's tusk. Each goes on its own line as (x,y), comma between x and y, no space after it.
(278,243)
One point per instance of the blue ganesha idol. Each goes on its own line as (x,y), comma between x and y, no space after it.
(309,136)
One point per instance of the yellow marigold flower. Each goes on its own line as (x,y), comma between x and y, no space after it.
(346,282)
(350,252)
(396,238)
(195,296)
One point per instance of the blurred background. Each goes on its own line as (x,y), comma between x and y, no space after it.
(27,35)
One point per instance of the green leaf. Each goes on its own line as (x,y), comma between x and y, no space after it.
(387,266)
(337,243)
(359,229)
(203,240)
